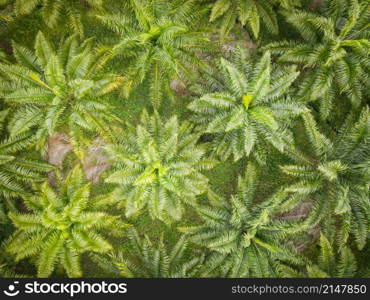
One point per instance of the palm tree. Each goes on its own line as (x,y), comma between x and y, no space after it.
(335,175)
(160,41)
(56,13)
(241,234)
(247,106)
(17,172)
(58,90)
(65,222)
(147,259)
(158,166)
(334,52)
(330,263)
(248,12)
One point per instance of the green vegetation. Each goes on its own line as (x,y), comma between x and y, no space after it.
(159,166)
(64,224)
(184,138)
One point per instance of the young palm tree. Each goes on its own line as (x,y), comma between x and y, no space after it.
(161,42)
(65,222)
(241,235)
(248,106)
(56,13)
(330,263)
(17,173)
(158,166)
(335,175)
(146,259)
(334,52)
(58,90)
(248,12)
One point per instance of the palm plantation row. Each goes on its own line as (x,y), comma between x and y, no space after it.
(249,157)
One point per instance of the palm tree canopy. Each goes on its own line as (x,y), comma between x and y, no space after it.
(335,50)
(337,174)
(248,106)
(242,235)
(159,166)
(57,90)
(63,223)
(159,38)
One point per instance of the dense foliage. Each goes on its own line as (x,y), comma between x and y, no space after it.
(159,167)
(64,224)
(184,138)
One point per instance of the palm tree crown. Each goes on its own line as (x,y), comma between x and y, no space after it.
(336,175)
(159,38)
(158,166)
(240,233)
(57,90)
(64,223)
(247,107)
(335,52)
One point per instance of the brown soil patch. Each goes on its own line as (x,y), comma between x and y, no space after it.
(95,161)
